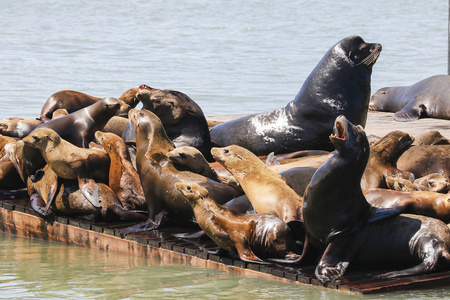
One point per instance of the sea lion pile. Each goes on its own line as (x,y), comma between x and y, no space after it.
(264,187)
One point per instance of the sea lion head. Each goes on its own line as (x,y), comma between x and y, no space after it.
(189,157)
(357,52)
(434,182)
(130,97)
(111,104)
(40,137)
(191,191)
(234,158)
(350,140)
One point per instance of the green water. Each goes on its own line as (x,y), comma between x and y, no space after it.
(36,269)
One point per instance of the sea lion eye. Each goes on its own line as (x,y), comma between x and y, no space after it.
(226,151)
(183,155)
(188,188)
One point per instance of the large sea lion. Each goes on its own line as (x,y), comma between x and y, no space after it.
(266,190)
(252,236)
(71,162)
(77,128)
(381,163)
(423,160)
(431,204)
(339,221)
(182,118)
(123,177)
(427,98)
(73,101)
(339,84)
(18,127)
(158,174)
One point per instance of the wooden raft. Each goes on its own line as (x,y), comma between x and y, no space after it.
(17,217)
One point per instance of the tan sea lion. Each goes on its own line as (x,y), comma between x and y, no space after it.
(344,229)
(18,127)
(434,182)
(116,125)
(158,174)
(60,112)
(14,151)
(423,160)
(123,177)
(71,162)
(252,236)
(433,137)
(73,101)
(382,158)
(9,177)
(266,190)
(431,204)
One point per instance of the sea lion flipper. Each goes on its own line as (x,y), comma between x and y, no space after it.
(410,112)
(243,249)
(51,194)
(384,213)
(90,191)
(272,160)
(196,235)
(150,224)
(38,204)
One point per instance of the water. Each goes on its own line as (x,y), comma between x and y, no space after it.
(230,57)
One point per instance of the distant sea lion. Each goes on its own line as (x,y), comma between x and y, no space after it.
(73,101)
(123,177)
(18,127)
(430,204)
(339,220)
(339,84)
(252,236)
(426,98)
(423,160)
(266,190)
(433,182)
(158,174)
(182,118)
(381,163)
(77,128)
(71,162)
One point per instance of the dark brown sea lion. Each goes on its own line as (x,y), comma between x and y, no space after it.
(423,160)
(339,221)
(77,128)
(383,155)
(339,84)
(182,118)
(427,98)
(71,162)
(9,177)
(123,177)
(252,236)
(433,183)
(158,174)
(266,190)
(73,101)
(430,204)
(70,201)
(18,127)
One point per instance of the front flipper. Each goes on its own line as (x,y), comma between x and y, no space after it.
(219,252)
(243,249)
(148,225)
(38,204)
(52,191)
(90,191)
(410,112)
(335,260)
(290,258)
(197,235)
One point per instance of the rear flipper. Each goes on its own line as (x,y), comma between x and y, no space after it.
(291,258)
(148,225)
(118,212)
(197,235)
(38,204)
(90,191)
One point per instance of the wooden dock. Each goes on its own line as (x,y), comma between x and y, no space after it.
(17,217)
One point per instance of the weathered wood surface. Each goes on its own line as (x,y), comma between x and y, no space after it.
(17,217)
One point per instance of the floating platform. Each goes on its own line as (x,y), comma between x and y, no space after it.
(17,217)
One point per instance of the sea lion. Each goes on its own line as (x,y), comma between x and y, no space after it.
(9,177)
(383,155)
(116,125)
(339,84)
(266,190)
(433,137)
(423,160)
(433,183)
(69,201)
(60,112)
(14,151)
(77,128)
(71,162)
(339,221)
(73,101)
(158,174)
(430,204)
(18,127)
(123,177)
(182,118)
(251,236)
(426,98)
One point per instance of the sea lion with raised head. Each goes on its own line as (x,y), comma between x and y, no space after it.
(182,118)
(347,230)
(71,162)
(266,190)
(426,98)
(339,85)
(252,236)
(158,174)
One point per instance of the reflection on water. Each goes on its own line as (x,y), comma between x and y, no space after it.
(36,269)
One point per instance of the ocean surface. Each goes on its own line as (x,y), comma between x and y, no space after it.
(230,57)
